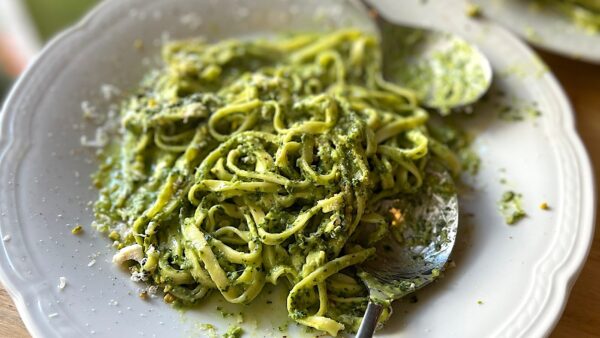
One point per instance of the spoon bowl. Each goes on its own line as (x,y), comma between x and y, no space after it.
(427,225)
(445,71)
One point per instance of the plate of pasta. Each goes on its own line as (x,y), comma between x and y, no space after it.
(223,168)
(567,27)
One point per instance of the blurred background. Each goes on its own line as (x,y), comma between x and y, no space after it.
(24,27)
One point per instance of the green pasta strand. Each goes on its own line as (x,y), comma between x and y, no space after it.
(242,163)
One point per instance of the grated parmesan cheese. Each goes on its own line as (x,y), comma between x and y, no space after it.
(191,20)
(62,282)
(133,252)
(100,139)
(109,91)
(138,276)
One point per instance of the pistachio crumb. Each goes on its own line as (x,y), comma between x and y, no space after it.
(544,206)
(473,10)
(169,298)
(373,14)
(114,235)
(77,230)
(138,44)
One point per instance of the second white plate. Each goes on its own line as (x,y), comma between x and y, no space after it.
(544,27)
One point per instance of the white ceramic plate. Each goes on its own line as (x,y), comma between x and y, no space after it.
(521,273)
(544,27)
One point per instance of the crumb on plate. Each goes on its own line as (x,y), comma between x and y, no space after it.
(473,10)
(62,282)
(77,230)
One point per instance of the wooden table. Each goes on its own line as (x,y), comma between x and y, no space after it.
(582,83)
(582,314)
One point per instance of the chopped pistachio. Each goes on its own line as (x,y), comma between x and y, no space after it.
(169,298)
(473,10)
(138,44)
(77,230)
(114,236)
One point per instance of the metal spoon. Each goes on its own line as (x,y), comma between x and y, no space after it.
(443,69)
(429,223)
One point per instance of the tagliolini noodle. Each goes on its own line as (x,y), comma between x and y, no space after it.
(243,163)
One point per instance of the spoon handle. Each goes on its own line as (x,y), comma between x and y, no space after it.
(369,322)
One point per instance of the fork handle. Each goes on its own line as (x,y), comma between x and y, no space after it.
(369,321)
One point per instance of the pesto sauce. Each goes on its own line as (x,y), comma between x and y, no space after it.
(385,293)
(509,107)
(224,313)
(459,140)
(510,206)
(233,332)
(209,329)
(518,112)
(283,328)
(444,77)
(257,162)
(471,162)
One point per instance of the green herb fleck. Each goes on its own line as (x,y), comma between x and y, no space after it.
(518,112)
(240,318)
(234,332)
(283,328)
(510,207)
(210,330)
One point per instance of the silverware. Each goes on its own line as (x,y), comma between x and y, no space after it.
(446,71)
(428,223)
